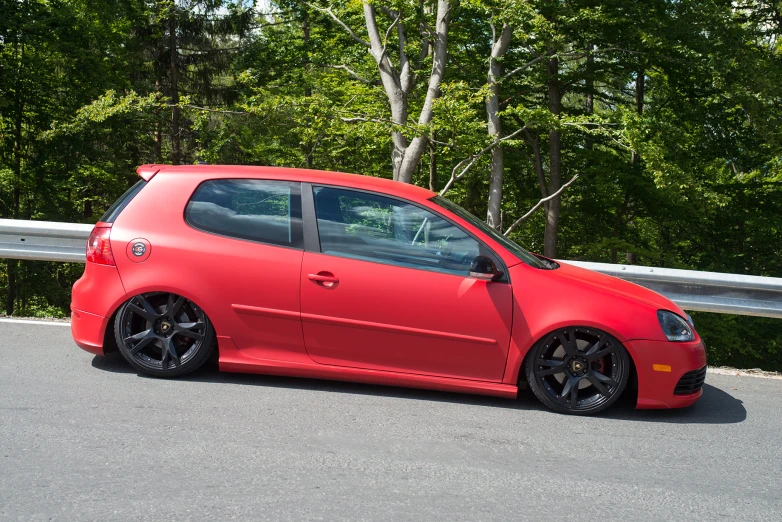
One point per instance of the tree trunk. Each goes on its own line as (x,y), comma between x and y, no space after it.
(590,91)
(413,153)
(305,27)
(397,97)
(308,146)
(12,289)
(499,47)
(158,134)
(555,162)
(172,40)
(400,145)
(432,167)
(639,106)
(23,273)
(17,156)
(635,158)
(11,295)
(158,143)
(406,157)
(618,221)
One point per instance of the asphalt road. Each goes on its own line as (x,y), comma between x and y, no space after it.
(85,438)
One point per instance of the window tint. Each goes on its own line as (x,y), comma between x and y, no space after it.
(385,230)
(258,210)
(119,205)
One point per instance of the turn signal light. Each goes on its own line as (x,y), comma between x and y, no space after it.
(98,246)
(661,367)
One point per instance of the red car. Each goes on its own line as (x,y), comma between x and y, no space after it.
(337,276)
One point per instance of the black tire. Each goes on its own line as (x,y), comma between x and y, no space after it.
(578,370)
(163,334)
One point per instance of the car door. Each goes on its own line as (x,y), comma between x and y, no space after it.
(390,290)
(246,249)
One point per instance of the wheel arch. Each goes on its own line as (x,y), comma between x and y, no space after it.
(109,339)
(601,397)
(208,309)
(518,356)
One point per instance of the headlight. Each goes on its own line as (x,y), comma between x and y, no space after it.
(674,327)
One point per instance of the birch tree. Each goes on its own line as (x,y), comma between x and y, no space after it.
(500,44)
(399,79)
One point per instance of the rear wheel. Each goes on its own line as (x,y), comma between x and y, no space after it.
(163,334)
(578,370)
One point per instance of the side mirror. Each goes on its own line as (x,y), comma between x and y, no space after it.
(483,268)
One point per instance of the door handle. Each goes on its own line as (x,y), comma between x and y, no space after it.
(324,279)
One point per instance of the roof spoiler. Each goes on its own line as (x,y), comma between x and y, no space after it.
(148,171)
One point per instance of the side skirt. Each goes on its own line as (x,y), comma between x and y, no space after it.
(232,360)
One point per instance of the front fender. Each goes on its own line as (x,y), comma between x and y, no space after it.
(546,300)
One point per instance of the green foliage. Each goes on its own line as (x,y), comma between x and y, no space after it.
(732,340)
(686,173)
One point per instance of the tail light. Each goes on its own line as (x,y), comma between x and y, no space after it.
(98,246)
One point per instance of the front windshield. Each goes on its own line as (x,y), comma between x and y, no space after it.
(512,247)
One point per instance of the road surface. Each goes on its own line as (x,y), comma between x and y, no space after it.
(85,438)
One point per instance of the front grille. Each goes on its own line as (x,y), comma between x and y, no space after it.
(690,382)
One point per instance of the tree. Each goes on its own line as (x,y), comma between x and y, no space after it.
(612,130)
(399,81)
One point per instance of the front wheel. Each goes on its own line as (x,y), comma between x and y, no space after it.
(578,370)
(163,334)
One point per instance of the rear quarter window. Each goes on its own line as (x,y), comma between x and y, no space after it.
(255,210)
(116,209)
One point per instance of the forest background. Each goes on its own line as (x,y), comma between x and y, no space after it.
(650,127)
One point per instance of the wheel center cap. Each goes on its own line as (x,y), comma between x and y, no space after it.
(578,366)
(165,326)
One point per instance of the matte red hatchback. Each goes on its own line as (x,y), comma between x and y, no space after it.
(337,276)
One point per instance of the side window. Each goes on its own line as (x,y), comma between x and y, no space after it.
(258,210)
(385,230)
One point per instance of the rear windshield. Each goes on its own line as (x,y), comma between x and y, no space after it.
(114,211)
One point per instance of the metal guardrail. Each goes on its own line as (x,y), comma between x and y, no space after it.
(703,291)
(43,240)
(692,290)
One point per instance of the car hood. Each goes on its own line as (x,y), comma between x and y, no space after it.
(616,286)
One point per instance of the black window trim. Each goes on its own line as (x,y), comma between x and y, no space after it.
(309,220)
(300,248)
(498,261)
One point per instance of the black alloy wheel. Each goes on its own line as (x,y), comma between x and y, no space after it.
(578,370)
(163,334)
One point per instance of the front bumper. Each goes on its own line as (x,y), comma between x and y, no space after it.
(660,366)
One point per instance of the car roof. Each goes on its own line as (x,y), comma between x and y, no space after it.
(370,183)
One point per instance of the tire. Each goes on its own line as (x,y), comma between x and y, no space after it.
(163,334)
(578,370)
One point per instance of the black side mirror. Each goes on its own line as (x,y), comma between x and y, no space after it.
(483,268)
